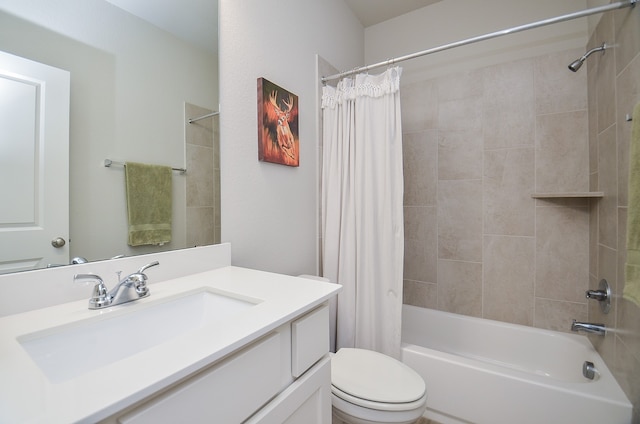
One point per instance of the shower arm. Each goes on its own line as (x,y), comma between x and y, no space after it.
(593,50)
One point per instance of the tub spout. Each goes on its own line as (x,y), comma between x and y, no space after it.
(588,327)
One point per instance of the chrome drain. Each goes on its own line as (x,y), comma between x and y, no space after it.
(589,370)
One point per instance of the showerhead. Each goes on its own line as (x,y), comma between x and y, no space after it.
(576,64)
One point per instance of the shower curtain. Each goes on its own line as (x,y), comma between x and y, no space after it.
(362,215)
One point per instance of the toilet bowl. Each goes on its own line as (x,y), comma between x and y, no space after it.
(368,387)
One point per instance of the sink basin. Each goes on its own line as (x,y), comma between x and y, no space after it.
(69,351)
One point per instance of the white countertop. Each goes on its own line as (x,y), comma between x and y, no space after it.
(28,396)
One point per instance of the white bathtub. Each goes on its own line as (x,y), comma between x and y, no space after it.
(483,371)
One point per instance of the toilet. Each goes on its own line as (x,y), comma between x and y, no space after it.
(368,387)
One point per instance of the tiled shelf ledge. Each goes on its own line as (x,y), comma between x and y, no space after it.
(595,194)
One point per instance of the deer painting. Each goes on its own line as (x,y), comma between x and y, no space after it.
(278,124)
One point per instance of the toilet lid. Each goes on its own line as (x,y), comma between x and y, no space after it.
(376,377)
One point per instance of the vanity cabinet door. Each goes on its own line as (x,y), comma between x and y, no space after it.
(306,401)
(228,392)
(309,339)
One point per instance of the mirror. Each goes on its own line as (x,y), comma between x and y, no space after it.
(133,88)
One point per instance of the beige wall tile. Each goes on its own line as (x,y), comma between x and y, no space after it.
(216,144)
(556,88)
(460,220)
(562,155)
(200,230)
(509,106)
(460,86)
(420,241)
(592,73)
(605,71)
(510,83)
(608,183)
(459,155)
(575,241)
(421,294)
(509,126)
(557,315)
(420,154)
(620,348)
(628,314)
(419,106)
(627,96)
(626,369)
(562,253)
(497,106)
(608,269)
(627,36)
(203,177)
(460,101)
(508,271)
(605,92)
(593,236)
(629,326)
(507,186)
(216,206)
(622,248)
(200,184)
(460,287)
(199,132)
(461,114)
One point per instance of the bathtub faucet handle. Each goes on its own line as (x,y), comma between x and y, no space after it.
(596,295)
(602,295)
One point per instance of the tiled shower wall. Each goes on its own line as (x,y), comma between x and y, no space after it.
(477,145)
(614,89)
(203,177)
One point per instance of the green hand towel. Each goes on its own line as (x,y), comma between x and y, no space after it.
(149,206)
(632,267)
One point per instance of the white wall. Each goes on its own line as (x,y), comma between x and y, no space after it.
(450,21)
(268,210)
(129,82)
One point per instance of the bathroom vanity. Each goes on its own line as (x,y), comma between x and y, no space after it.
(227,345)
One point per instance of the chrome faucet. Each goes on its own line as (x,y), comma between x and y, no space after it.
(132,287)
(588,327)
(78,260)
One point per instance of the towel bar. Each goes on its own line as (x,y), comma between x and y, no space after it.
(109,162)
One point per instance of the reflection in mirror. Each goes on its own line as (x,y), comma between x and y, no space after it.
(133,88)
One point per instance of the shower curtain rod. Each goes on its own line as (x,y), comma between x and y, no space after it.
(562,18)
(192,120)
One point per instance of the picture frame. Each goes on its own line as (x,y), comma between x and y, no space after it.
(278,134)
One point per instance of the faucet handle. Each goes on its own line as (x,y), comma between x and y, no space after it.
(100,297)
(139,279)
(599,295)
(602,295)
(147,266)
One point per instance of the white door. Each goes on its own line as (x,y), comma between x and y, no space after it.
(34,164)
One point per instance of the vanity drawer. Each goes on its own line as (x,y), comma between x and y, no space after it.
(309,339)
(228,392)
